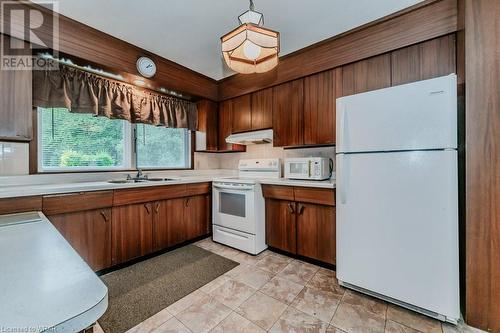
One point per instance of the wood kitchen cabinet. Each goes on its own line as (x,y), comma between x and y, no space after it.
(423,61)
(320,93)
(242,114)
(89,233)
(178,220)
(365,75)
(195,216)
(84,220)
(281,230)
(316,231)
(16,107)
(301,221)
(132,234)
(288,115)
(262,109)
(168,226)
(226,127)
(253,112)
(208,115)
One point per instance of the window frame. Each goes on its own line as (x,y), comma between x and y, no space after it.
(129,153)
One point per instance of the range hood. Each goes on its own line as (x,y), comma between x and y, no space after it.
(251,138)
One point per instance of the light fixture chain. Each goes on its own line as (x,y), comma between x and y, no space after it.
(251,5)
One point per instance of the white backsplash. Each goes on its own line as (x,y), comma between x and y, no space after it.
(14,158)
(205,161)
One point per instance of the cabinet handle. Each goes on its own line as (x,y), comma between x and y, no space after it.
(300,209)
(104,216)
(157,207)
(187,202)
(147,208)
(290,208)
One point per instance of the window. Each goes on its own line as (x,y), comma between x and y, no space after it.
(160,147)
(82,142)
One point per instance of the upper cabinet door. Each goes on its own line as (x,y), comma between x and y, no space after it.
(320,92)
(208,122)
(262,109)
(16,103)
(365,75)
(225,127)
(242,114)
(424,61)
(288,113)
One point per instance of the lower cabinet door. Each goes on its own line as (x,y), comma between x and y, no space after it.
(89,233)
(168,223)
(281,225)
(196,218)
(316,232)
(132,235)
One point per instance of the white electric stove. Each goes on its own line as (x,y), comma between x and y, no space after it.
(238,206)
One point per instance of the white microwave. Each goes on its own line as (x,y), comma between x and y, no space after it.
(313,168)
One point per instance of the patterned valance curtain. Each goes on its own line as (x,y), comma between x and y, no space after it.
(83,92)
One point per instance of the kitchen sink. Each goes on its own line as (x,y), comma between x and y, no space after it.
(132,181)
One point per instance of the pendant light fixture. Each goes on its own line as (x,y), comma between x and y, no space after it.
(251,48)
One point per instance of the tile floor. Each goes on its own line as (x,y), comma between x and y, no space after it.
(274,293)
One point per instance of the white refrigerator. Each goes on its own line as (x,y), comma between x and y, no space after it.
(397,195)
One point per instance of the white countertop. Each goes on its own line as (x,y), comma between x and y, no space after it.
(43,189)
(43,282)
(70,187)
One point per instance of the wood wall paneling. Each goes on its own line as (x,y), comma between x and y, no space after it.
(21,204)
(262,109)
(482,111)
(288,121)
(416,24)
(242,114)
(81,41)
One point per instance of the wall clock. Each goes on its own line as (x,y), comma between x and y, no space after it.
(146,67)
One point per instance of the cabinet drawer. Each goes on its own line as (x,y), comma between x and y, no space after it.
(278,192)
(19,205)
(148,194)
(75,202)
(198,189)
(320,196)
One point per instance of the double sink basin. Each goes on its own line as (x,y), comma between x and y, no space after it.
(141,180)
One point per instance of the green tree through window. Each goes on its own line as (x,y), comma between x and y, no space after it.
(71,141)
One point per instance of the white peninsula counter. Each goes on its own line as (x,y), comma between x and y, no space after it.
(45,285)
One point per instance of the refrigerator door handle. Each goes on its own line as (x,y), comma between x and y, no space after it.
(343,128)
(343,172)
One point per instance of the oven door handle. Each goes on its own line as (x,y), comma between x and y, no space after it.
(234,188)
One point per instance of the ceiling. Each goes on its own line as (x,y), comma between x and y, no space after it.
(188,31)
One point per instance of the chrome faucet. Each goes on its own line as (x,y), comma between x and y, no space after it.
(140,175)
